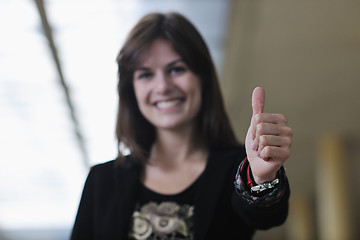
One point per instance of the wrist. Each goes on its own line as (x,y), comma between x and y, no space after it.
(263,180)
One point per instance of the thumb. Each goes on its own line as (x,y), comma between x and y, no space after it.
(258,100)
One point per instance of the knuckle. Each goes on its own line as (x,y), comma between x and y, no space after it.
(289,142)
(289,131)
(260,127)
(258,117)
(285,152)
(282,119)
(267,151)
(263,140)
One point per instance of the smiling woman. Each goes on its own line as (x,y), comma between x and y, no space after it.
(185,53)
(178,181)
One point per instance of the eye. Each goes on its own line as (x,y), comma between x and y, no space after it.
(144,75)
(177,70)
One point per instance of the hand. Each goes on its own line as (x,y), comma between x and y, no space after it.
(268,140)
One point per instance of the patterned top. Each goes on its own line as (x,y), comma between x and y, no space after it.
(159,216)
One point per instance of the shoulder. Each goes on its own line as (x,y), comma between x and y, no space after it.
(104,167)
(128,163)
(110,169)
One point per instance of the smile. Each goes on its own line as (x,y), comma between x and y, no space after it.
(168,104)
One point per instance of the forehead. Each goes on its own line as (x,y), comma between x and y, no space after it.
(160,52)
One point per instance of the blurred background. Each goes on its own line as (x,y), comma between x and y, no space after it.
(58,101)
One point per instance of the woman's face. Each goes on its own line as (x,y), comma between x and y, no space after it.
(168,93)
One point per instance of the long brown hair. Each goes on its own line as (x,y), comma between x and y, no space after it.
(132,129)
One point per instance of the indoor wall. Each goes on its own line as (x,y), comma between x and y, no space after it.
(306,54)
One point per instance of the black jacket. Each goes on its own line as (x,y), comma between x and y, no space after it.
(109,197)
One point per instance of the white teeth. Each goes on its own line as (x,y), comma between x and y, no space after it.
(167,104)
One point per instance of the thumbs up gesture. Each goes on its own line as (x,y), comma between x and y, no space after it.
(268,140)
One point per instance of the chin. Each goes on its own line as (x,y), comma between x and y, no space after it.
(176,125)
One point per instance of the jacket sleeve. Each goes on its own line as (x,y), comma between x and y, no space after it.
(83,222)
(262,211)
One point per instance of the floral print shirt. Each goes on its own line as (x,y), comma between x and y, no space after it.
(164,217)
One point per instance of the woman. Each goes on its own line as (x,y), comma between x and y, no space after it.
(178,181)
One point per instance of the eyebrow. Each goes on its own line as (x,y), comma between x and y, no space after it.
(167,65)
(174,62)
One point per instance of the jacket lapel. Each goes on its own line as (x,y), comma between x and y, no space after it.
(127,185)
(210,189)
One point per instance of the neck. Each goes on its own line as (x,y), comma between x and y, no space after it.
(175,147)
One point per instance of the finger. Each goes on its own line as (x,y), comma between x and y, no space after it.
(269,129)
(258,100)
(274,141)
(276,154)
(271,118)
(272,129)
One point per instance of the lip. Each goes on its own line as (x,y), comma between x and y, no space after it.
(167,105)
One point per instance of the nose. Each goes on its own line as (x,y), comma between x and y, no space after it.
(163,83)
